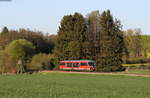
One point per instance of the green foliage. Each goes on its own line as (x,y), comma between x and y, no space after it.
(99,38)
(41,62)
(70,38)
(138,60)
(146,38)
(52,41)
(43,43)
(91,46)
(146,44)
(20,52)
(7,63)
(140,64)
(72,48)
(111,44)
(20,49)
(136,46)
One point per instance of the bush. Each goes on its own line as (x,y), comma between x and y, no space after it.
(112,69)
(140,67)
(41,62)
(138,60)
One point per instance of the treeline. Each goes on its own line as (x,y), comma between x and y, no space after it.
(42,42)
(98,36)
(137,47)
(25,50)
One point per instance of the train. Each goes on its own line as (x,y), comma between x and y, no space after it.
(78,65)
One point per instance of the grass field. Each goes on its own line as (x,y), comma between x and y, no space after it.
(64,85)
(146,64)
(139,71)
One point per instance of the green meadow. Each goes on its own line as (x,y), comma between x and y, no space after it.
(67,85)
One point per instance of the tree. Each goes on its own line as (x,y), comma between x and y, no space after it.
(145,45)
(92,36)
(52,40)
(4,30)
(70,38)
(93,25)
(134,42)
(20,51)
(111,44)
(138,43)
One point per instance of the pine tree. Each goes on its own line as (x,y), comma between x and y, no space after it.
(111,41)
(70,39)
(119,46)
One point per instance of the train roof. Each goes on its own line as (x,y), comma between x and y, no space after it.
(77,61)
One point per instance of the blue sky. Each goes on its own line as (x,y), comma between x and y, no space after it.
(45,15)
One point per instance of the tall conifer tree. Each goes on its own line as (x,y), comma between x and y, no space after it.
(111,44)
(71,36)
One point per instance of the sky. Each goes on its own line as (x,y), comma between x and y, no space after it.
(45,15)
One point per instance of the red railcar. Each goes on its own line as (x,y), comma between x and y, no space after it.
(82,65)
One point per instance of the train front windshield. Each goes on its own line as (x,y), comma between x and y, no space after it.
(92,64)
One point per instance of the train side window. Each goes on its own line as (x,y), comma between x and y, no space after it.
(91,64)
(69,64)
(62,63)
(83,64)
(75,64)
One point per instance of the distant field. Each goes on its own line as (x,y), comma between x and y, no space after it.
(64,85)
(139,71)
(147,64)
